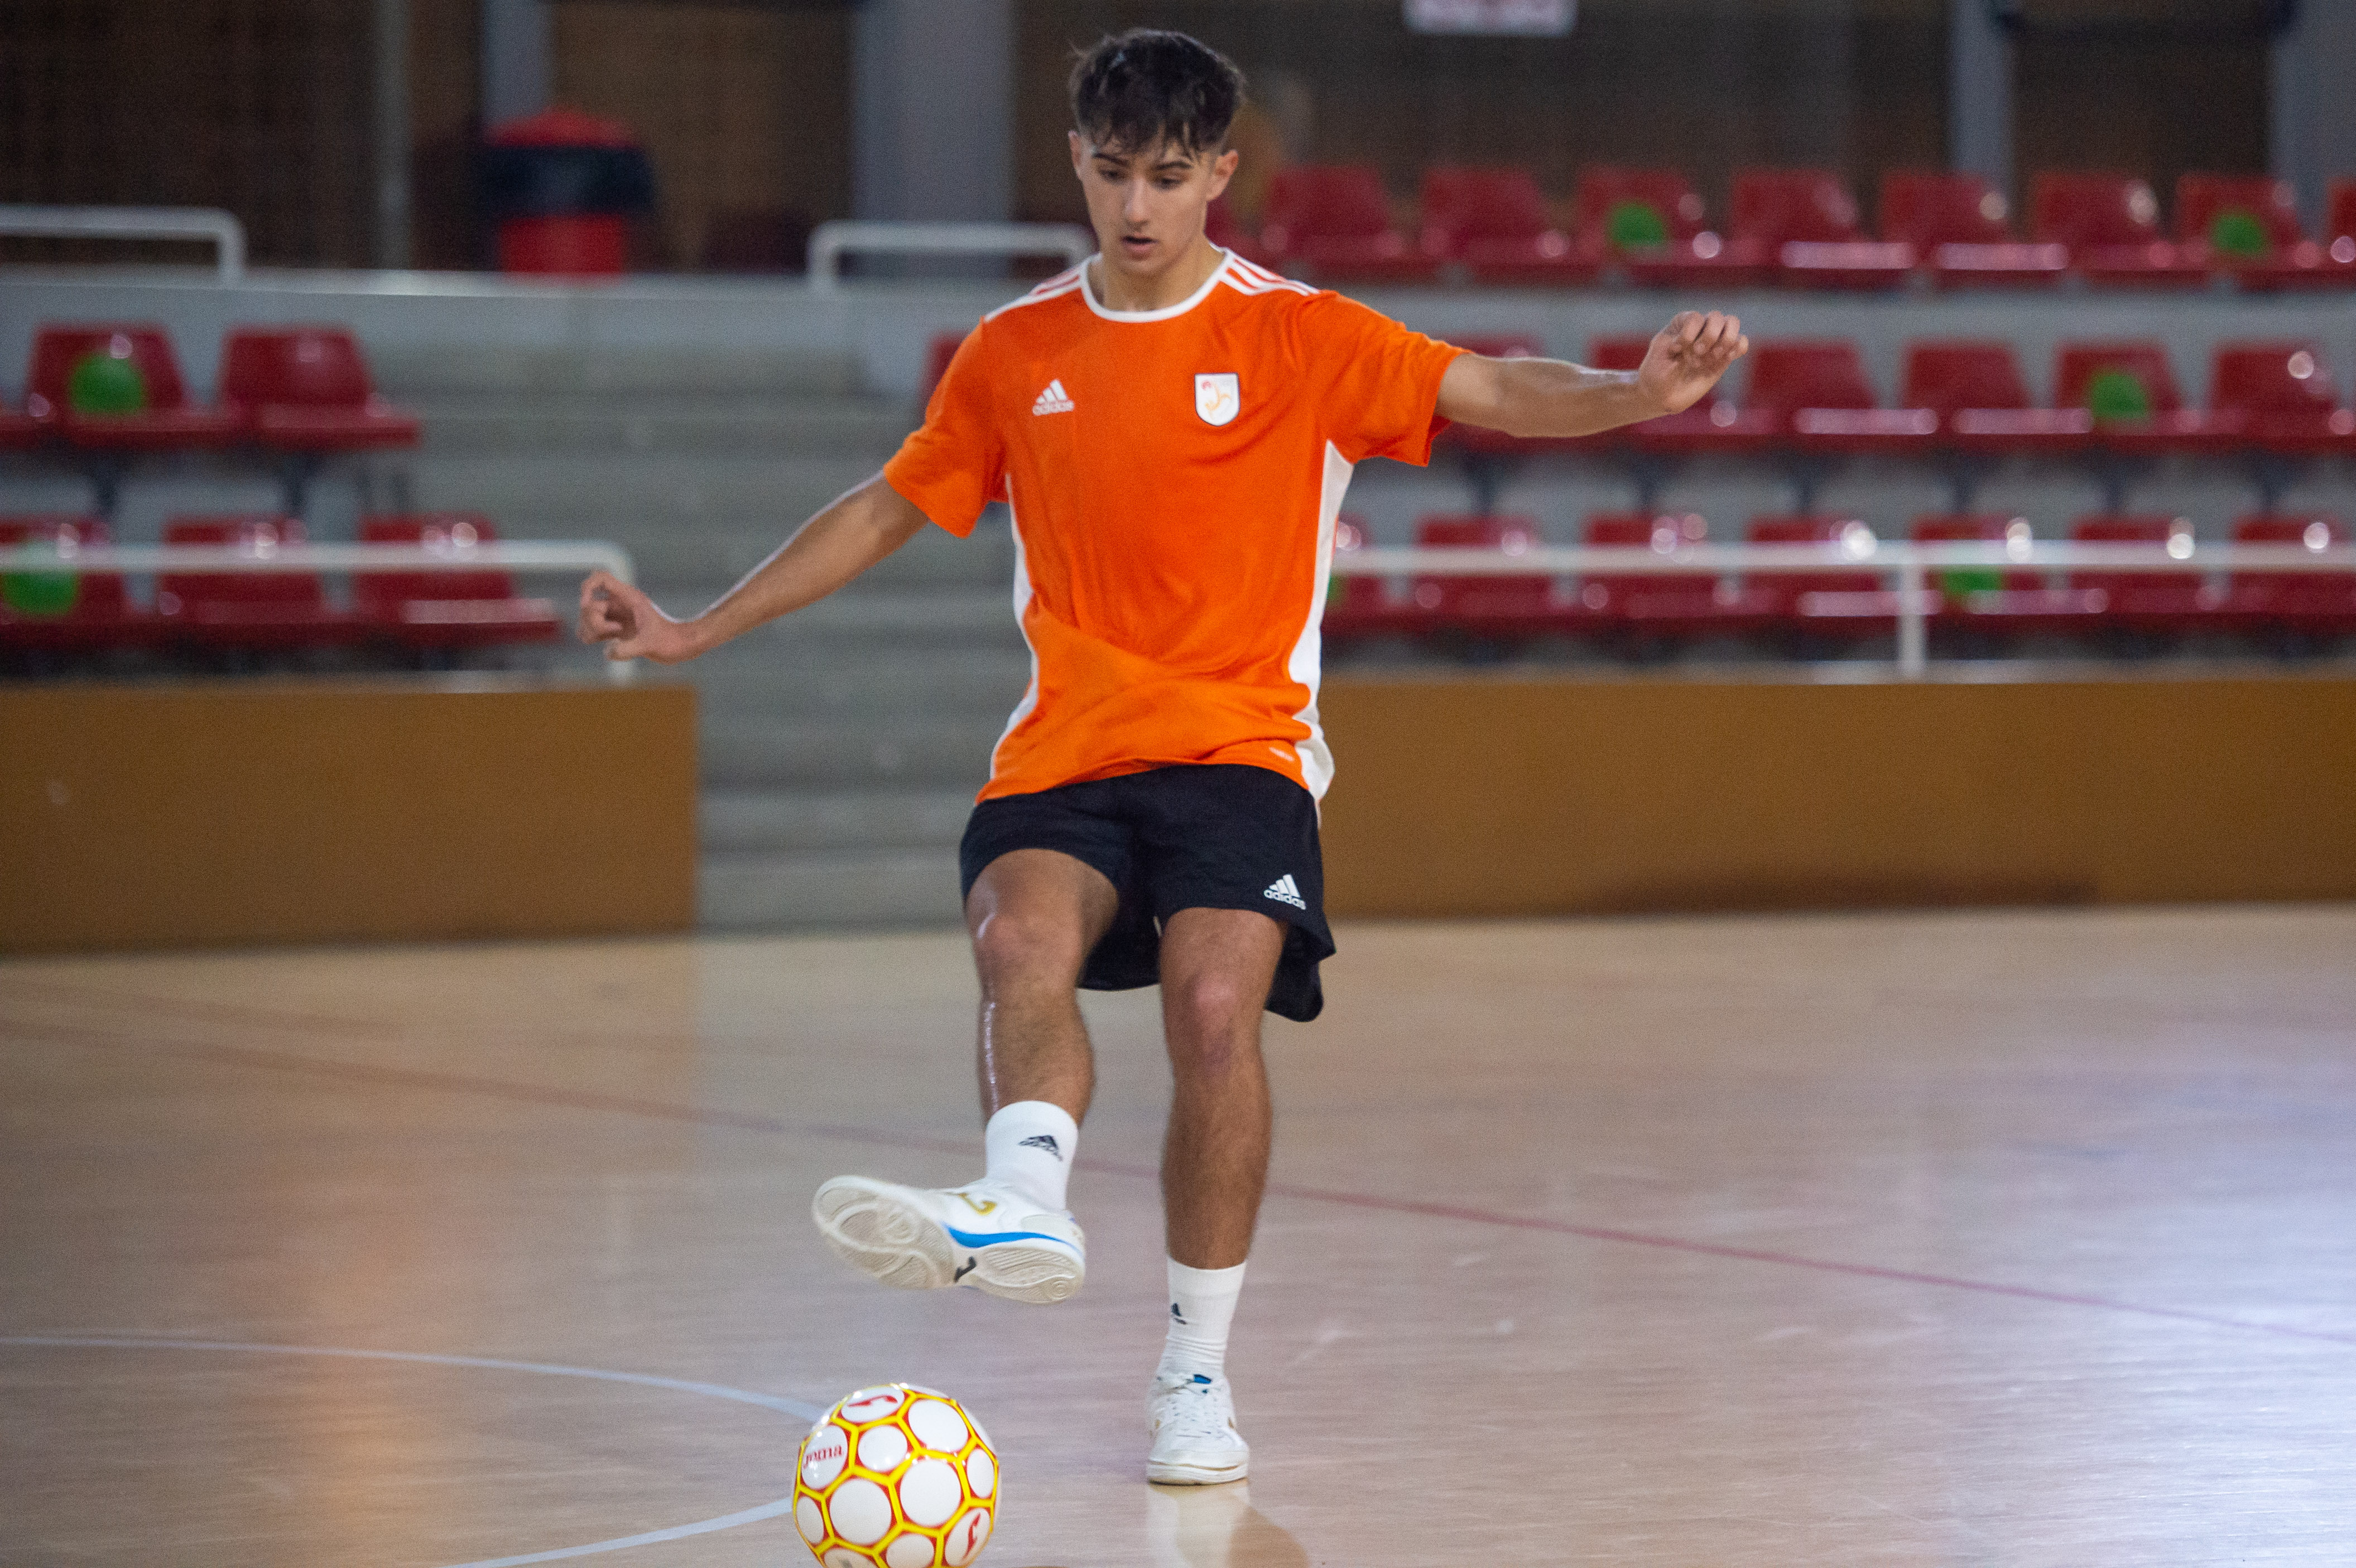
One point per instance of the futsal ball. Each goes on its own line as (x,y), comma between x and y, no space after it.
(898,1477)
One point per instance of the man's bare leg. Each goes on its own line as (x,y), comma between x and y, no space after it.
(1034,915)
(1216,967)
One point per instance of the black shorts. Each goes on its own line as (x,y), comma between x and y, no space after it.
(1218,836)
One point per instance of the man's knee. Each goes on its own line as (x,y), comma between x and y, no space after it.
(1016,949)
(1214,1022)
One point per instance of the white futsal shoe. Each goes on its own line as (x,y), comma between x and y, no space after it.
(983,1235)
(1195,1443)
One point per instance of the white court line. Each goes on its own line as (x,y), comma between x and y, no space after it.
(487,1363)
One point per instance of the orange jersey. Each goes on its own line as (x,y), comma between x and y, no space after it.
(1174,476)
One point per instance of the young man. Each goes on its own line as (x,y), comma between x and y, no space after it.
(1172,429)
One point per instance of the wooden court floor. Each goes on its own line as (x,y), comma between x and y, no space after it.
(2000,1239)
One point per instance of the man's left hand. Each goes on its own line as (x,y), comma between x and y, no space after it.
(1688,357)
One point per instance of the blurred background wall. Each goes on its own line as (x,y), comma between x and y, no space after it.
(748,107)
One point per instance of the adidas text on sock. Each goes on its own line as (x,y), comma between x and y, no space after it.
(1029,1145)
(1202,1305)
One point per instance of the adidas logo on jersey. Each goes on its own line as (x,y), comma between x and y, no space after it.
(1284,890)
(1054,400)
(1042,1141)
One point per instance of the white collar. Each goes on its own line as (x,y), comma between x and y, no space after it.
(1089,293)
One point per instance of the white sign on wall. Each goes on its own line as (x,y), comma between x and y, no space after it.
(1524,18)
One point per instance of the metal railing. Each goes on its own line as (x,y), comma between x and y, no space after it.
(830,241)
(227,234)
(565,557)
(1911,601)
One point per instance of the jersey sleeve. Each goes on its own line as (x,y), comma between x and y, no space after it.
(954,465)
(1380,381)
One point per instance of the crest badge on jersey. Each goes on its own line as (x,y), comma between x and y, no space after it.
(1217,398)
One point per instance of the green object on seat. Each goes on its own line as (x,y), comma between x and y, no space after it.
(2115,394)
(2237,232)
(103,382)
(40,593)
(1961,580)
(1636,226)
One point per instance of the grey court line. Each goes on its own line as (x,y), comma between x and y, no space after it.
(487,1363)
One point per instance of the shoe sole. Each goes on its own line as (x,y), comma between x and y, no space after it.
(1171,1473)
(896,1244)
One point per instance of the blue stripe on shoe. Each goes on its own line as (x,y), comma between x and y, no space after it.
(968,1239)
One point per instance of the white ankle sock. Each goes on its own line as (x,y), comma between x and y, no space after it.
(1202,1305)
(1029,1145)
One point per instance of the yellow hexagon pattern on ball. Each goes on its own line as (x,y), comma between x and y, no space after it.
(896,1476)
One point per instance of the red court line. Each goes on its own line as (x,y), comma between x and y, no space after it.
(713,1116)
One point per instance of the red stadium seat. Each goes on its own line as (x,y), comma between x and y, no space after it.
(1963,585)
(1961,224)
(1832,596)
(2284,395)
(446,609)
(1690,252)
(2132,394)
(1659,602)
(1335,220)
(2248,225)
(100,616)
(1818,392)
(249,609)
(1997,596)
(307,389)
(2339,224)
(1716,424)
(1975,389)
(1510,605)
(167,421)
(1494,224)
(2161,600)
(2303,601)
(19,430)
(1807,220)
(1359,606)
(2111,224)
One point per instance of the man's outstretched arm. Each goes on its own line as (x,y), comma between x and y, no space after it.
(1548,397)
(850,535)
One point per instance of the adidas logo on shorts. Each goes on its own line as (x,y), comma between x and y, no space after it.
(1284,890)
(1054,400)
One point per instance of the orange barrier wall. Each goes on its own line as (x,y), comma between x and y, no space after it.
(171,815)
(1519,796)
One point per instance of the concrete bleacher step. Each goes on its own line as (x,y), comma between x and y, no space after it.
(672,424)
(430,369)
(782,821)
(985,680)
(840,746)
(763,891)
(716,557)
(858,616)
(610,490)
(894,749)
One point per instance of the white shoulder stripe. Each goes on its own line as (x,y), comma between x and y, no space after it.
(1054,288)
(1282,286)
(1260,274)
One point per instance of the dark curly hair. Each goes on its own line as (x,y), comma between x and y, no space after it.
(1146,87)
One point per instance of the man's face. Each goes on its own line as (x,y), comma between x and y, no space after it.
(1147,205)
